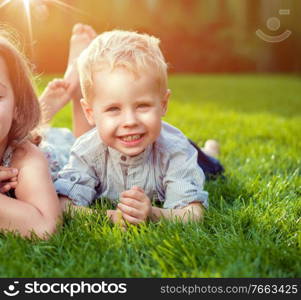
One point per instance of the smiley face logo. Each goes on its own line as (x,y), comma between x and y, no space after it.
(11,290)
(273,24)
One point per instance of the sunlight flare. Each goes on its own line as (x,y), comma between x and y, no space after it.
(27,5)
(3,3)
(62,4)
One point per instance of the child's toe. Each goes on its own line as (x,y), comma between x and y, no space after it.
(78,28)
(60,82)
(52,84)
(212,148)
(90,31)
(57,83)
(65,84)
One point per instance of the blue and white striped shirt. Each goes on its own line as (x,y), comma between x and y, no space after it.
(167,171)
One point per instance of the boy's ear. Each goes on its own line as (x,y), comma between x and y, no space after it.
(164,101)
(88,111)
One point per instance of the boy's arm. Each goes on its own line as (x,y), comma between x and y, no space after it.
(68,206)
(65,203)
(79,180)
(136,208)
(192,212)
(114,215)
(183,180)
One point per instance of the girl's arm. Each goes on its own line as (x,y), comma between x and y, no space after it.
(36,207)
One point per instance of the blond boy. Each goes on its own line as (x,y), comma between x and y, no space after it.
(131,156)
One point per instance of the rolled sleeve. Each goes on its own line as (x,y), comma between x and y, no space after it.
(79,194)
(184,181)
(78,180)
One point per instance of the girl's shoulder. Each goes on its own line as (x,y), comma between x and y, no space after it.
(26,154)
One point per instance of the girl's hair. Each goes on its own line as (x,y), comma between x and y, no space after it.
(127,49)
(26,102)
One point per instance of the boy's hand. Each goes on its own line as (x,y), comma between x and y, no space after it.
(135,205)
(116,217)
(8,179)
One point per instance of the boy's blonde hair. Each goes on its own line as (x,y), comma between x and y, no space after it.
(126,49)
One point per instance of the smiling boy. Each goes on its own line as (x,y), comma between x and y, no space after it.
(131,156)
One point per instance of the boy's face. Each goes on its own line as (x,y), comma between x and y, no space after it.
(126,110)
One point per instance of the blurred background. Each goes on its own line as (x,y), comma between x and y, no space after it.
(209,36)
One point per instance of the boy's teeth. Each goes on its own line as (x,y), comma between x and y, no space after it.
(130,138)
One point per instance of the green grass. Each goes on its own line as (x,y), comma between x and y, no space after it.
(253,226)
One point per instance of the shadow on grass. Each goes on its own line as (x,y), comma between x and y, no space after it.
(226,189)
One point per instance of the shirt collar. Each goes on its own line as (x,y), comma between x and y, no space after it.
(130,160)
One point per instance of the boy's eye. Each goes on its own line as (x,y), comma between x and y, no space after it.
(143,106)
(112,109)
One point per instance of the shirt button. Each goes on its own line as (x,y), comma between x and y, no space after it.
(123,158)
(72,178)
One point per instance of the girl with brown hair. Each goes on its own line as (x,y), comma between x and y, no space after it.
(33,206)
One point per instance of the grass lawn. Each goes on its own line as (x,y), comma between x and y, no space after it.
(253,225)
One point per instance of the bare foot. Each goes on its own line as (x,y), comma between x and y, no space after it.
(54,98)
(82,35)
(212,148)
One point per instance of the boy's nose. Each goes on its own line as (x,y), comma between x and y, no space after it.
(129,119)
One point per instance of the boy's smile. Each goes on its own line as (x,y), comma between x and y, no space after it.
(126,109)
(132,139)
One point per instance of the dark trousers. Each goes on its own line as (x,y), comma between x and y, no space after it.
(210,165)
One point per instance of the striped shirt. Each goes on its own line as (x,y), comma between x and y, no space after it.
(166,170)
